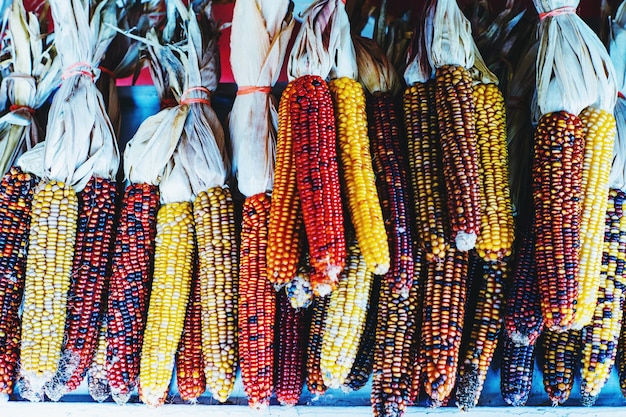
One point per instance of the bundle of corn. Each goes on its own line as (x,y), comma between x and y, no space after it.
(289,360)
(573,72)
(313,135)
(385,134)
(145,158)
(35,73)
(450,51)
(79,144)
(256,61)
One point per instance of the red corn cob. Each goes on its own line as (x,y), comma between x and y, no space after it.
(257,304)
(16,193)
(290,350)
(189,364)
(317,179)
(129,287)
(94,236)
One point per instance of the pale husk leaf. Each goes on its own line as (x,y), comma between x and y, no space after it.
(80,142)
(316,44)
(617,46)
(375,71)
(481,74)
(418,68)
(175,186)
(31,161)
(345,58)
(574,70)
(451,42)
(258,46)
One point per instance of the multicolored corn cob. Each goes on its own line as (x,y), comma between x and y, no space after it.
(484,334)
(398,318)
(97,381)
(358,173)
(214,217)
(94,236)
(457,133)
(364,361)
(557,184)
(291,336)
(523,320)
(257,305)
(601,337)
(426,170)
(299,289)
(190,377)
(442,323)
(285,223)
(560,363)
(599,133)
(52,240)
(516,371)
(385,133)
(16,193)
(314,379)
(129,287)
(171,286)
(497,230)
(345,318)
(317,179)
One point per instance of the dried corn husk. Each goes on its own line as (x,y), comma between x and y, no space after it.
(574,70)
(418,67)
(450,41)
(79,130)
(260,32)
(617,46)
(35,73)
(375,71)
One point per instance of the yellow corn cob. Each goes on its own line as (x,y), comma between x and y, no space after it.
(214,216)
(599,131)
(497,231)
(358,173)
(345,319)
(171,286)
(48,268)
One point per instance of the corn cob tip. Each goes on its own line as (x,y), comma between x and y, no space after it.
(322,290)
(120,398)
(588,400)
(55,390)
(465,241)
(519,339)
(99,390)
(468,385)
(4,397)
(299,292)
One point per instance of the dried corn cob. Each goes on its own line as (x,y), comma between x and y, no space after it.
(599,133)
(97,380)
(516,371)
(299,288)
(214,216)
(560,363)
(393,353)
(442,323)
(456,117)
(345,318)
(557,181)
(290,349)
(129,287)
(522,315)
(600,338)
(485,330)
(364,361)
(48,269)
(385,131)
(358,173)
(495,240)
(257,305)
(171,285)
(190,377)
(94,235)
(314,379)
(426,169)
(16,193)
(284,240)
(317,179)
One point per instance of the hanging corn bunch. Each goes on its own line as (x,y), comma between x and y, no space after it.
(78,131)
(256,61)
(314,138)
(568,81)
(35,72)
(450,51)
